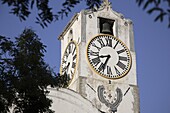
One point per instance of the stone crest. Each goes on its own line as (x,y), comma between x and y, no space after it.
(112,101)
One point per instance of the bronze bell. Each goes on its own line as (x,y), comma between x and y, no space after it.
(106,28)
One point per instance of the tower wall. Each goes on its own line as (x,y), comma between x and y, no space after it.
(108,95)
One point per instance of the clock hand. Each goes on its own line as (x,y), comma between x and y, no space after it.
(107,59)
(68,64)
(66,67)
(103,56)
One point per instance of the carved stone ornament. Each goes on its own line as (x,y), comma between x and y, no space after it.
(112,103)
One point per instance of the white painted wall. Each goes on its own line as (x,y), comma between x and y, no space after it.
(69,101)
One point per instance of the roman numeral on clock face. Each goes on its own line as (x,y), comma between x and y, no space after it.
(101,67)
(74,57)
(109,70)
(115,45)
(96,61)
(66,54)
(74,49)
(121,65)
(94,53)
(69,48)
(94,45)
(108,42)
(122,58)
(101,42)
(117,71)
(73,65)
(121,51)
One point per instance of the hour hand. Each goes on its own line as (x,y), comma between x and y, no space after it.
(107,59)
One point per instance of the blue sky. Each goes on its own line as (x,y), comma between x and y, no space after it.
(152,45)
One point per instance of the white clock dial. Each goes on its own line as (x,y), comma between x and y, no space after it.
(109,56)
(69,60)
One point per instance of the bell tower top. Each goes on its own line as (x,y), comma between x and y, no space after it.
(98,56)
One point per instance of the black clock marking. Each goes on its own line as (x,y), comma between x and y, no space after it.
(73,65)
(74,50)
(69,60)
(65,69)
(101,67)
(107,59)
(74,57)
(64,61)
(94,53)
(109,70)
(121,65)
(115,45)
(122,58)
(101,42)
(96,61)
(121,51)
(117,71)
(66,54)
(108,42)
(69,49)
(96,46)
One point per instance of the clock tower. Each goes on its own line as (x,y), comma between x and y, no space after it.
(98,56)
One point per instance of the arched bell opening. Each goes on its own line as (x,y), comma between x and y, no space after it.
(106,26)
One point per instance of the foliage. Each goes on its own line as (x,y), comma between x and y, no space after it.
(156,6)
(24,76)
(46,15)
(22,9)
(7,92)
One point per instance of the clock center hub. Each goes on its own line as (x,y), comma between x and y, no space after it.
(113,56)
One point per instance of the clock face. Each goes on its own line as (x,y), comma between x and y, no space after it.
(69,60)
(109,56)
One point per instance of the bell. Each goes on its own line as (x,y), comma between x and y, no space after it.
(106,28)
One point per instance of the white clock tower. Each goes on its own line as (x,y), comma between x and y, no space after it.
(97,51)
